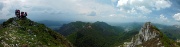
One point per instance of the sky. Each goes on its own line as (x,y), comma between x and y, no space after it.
(115,11)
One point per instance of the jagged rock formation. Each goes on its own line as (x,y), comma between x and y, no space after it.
(150,36)
(146,33)
(23,32)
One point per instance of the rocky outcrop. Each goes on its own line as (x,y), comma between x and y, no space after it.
(150,36)
(178,40)
(146,33)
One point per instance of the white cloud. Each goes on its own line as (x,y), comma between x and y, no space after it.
(145,6)
(9,6)
(143,9)
(177,16)
(163,18)
(160,4)
(112,15)
(122,2)
(133,11)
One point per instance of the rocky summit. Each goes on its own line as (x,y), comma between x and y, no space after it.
(146,33)
(22,32)
(150,36)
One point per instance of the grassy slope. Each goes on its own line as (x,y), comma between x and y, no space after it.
(25,32)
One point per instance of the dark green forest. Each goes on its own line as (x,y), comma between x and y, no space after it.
(97,34)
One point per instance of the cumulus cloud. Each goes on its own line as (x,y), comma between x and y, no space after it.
(132,11)
(145,6)
(7,6)
(143,9)
(160,4)
(163,18)
(122,2)
(112,15)
(177,16)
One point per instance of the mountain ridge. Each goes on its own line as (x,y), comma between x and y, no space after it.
(22,32)
(86,34)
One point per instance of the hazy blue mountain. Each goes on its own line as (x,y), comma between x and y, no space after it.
(53,24)
(171,31)
(2,20)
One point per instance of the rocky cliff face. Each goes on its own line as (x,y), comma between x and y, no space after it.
(150,36)
(146,33)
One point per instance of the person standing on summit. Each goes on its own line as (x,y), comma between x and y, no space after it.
(17,13)
(20,14)
(25,14)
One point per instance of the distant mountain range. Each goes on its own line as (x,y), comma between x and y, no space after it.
(172,31)
(101,34)
(2,20)
(97,34)
(53,24)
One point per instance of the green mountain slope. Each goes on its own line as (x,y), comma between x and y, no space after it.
(23,32)
(98,34)
(171,31)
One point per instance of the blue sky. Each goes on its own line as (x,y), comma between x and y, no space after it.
(117,11)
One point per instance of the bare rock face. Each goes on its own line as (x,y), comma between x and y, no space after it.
(150,36)
(147,32)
